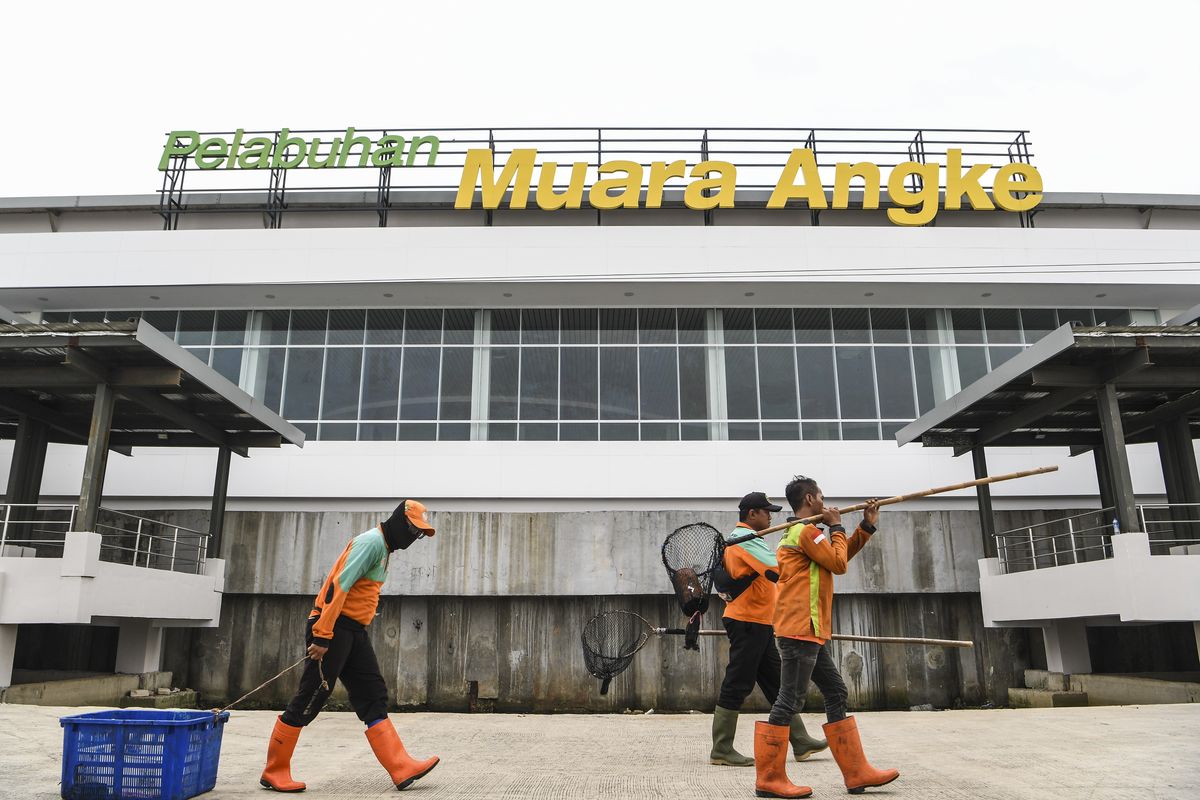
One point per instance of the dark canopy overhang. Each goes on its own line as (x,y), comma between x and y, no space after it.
(1046,395)
(166,397)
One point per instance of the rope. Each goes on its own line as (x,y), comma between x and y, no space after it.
(324,685)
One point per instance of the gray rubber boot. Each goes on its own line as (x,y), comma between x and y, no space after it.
(723,729)
(802,744)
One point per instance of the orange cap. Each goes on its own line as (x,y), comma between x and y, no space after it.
(417,515)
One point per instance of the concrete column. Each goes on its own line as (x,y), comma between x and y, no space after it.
(96,460)
(1103,479)
(8,652)
(1187,477)
(1067,646)
(983,496)
(1113,434)
(216,520)
(28,462)
(1178,460)
(139,647)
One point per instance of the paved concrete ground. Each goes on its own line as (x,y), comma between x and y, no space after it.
(1096,753)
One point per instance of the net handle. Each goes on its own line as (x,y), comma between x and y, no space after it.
(900,498)
(845,638)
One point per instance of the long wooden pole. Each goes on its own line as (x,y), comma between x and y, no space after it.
(900,498)
(845,638)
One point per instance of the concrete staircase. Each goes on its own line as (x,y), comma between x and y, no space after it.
(1046,690)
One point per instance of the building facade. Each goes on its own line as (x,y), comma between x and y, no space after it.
(565,388)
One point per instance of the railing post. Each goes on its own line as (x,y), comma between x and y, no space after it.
(4,532)
(1071,531)
(1032,551)
(137,545)
(174,547)
(1054,548)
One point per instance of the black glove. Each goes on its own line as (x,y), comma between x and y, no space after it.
(691,637)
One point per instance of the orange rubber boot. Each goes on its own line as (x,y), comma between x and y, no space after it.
(847,751)
(390,751)
(770,763)
(278,774)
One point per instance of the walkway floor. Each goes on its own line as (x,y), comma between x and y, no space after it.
(1066,753)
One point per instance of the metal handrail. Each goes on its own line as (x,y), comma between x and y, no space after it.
(164,548)
(1024,541)
(1019,548)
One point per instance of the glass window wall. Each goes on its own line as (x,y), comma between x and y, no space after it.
(586,374)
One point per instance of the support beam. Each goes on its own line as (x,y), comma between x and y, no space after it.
(1185,318)
(180,439)
(1184,407)
(1116,456)
(963,444)
(59,431)
(9,317)
(1027,415)
(1157,377)
(96,461)
(58,375)
(181,417)
(28,461)
(216,521)
(983,496)
(44,414)
(82,362)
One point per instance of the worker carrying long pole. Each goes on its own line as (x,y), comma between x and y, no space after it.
(809,557)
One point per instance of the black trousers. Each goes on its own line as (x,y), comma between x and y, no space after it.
(350,659)
(753,658)
(803,661)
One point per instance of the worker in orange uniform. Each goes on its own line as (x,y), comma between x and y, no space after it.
(809,557)
(747,583)
(339,649)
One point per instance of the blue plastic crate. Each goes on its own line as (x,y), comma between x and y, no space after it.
(140,753)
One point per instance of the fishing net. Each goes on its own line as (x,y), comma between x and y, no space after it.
(610,640)
(692,555)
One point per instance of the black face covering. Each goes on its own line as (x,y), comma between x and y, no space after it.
(398,532)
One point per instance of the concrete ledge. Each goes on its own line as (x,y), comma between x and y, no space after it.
(184,699)
(1123,690)
(99,690)
(1041,698)
(1046,680)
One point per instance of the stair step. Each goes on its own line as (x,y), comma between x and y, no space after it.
(1051,681)
(1045,698)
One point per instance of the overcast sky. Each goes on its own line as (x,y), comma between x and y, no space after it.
(1108,90)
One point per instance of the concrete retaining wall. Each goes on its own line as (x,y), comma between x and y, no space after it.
(556,554)
(525,653)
